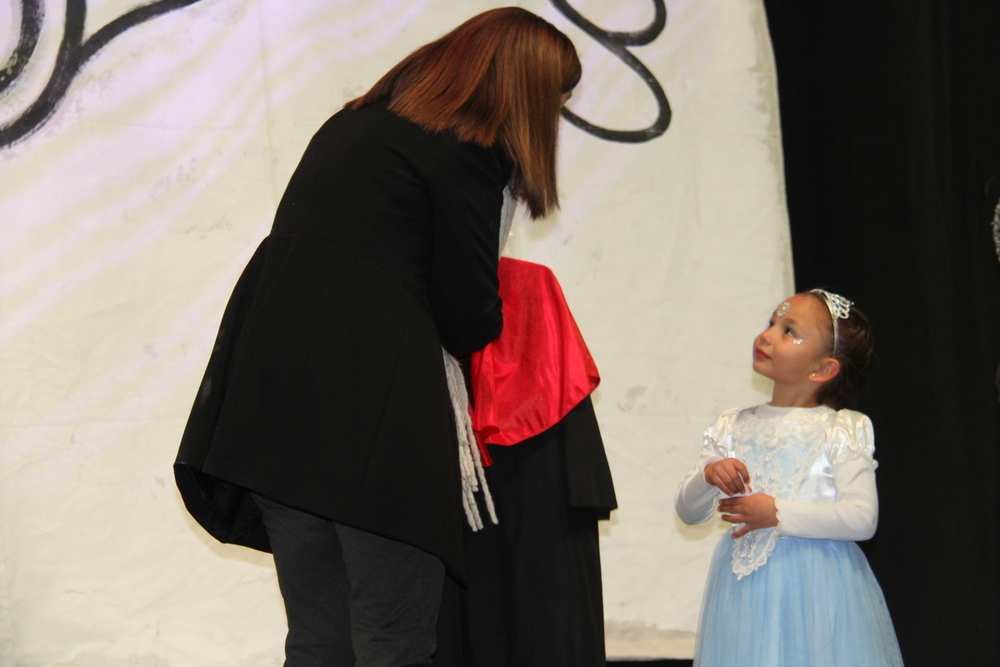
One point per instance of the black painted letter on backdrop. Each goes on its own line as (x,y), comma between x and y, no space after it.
(616,43)
(74,51)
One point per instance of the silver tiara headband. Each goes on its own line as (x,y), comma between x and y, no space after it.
(840,309)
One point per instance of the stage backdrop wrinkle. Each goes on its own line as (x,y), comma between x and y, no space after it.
(127,214)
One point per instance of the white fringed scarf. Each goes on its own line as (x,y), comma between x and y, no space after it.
(469,458)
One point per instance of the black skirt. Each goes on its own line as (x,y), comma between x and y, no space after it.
(534,593)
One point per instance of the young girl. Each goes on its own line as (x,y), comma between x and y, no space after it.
(791,587)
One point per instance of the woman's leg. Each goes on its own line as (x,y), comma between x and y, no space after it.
(313,583)
(395,596)
(351,597)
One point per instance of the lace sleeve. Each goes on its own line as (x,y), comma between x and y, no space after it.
(716,441)
(854,514)
(695,498)
(852,436)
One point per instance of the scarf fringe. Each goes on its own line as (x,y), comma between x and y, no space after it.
(470,460)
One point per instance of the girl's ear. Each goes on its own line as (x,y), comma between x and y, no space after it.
(827,369)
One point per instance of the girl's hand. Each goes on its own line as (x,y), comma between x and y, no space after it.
(756,511)
(729,475)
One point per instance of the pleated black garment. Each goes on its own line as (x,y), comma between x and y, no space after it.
(534,593)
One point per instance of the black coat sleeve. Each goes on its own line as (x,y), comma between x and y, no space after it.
(466,227)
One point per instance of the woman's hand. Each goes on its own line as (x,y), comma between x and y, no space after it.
(729,475)
(756,511)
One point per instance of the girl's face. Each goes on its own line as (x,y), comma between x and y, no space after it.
(793,348)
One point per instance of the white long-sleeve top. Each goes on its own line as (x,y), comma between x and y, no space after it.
(817,463)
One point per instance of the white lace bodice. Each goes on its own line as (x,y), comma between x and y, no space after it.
(816,462)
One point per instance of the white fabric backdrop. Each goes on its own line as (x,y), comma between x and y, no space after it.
(127,217)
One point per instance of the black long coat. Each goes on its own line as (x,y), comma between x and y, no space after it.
(326,389)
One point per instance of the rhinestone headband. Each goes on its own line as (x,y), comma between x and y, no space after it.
(840,309)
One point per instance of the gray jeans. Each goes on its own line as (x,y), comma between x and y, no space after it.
(352,598)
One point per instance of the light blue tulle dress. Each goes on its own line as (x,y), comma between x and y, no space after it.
(800,594)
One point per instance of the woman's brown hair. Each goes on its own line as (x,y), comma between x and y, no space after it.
(498,77)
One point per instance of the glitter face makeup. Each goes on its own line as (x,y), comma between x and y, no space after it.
(792,345)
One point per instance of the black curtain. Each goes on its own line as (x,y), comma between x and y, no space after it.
(890,116)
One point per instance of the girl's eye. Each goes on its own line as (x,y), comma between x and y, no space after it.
(795,339)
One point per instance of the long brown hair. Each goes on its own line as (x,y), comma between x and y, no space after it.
(498,77)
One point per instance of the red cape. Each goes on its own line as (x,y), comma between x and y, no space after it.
(539,368)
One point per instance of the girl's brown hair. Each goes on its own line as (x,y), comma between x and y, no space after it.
(855,346)
(498,77)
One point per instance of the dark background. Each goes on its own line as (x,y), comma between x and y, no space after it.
(890,119)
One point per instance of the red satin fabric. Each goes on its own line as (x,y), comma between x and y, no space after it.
(539,368)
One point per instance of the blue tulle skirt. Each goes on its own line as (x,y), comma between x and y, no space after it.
(815,603)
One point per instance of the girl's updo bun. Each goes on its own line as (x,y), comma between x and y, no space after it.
(855,346)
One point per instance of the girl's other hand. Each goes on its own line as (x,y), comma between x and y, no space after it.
(756,511)
(729,475)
